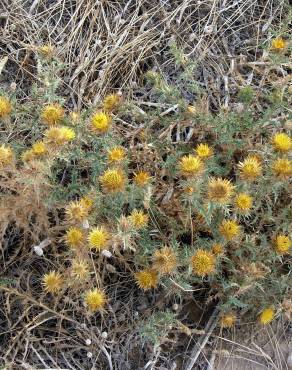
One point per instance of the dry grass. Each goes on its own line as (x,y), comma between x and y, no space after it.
(108,45)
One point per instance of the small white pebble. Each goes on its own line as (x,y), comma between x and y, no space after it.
(104,334)
(289,361)
(106,253)
(88,342)
(85,224)
(175,307)
(89,354)
(39,251)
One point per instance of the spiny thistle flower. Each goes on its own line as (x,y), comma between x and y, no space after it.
(39,149)
(52,282)
(59,135)
(220,190)
(203,262)
(27,155)
(98,238)
(100,122)
(282,167)
(142,178)
(190,165)
(229,229)
(5,107)
(217,249)
(282,142)
(282,244)
(80,269)
(87,202)
(75,211)
(52,114)
(146,279)
(74,237)
(227,320)
(113,180)
(138,219)
(116,154)
(95,299)
(47,50)
(243,202)
(111,102)
(204,151)
(279,44)
(75,117)
(250,169)
(164,260)
(267,315)
(6,155)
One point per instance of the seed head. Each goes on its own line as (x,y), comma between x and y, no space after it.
(74,237)
(116,154)
(138,219)
(164,260)
(6,155)
(243,202)
(113,180)
(220,190)
(282,168)
(227,320)
(142,178)
(250,169)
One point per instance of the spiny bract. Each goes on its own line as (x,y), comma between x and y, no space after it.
(52,114)
(138,219)
(190,165)
(113,180)
(220,190)
(142,178)
(164,260)
(229,229)
(100,122)
(250,169)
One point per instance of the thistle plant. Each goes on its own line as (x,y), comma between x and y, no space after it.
(211,211)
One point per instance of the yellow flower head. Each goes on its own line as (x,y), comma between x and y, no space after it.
(190,165)
(282,244)
(5,107)
(203,262)
(218,249)
(267,315)
(39,149)
(87,202)
(80,269)
(59,135)
(279,44)
(27,155)
(250,169)
(220,190)
(227,320)
(75,117)
(282,142)
(6,155)
(243,202)
(204,151)
(229,229)
(47,50)
(146,279)
(282,167)
(75,211)
(116,154)
(164,260)
(138,219)
(113,180)
(100,122)
(52,114)
(74,237)
(95,299)
(98,238)
(111,102)
(52,282)
(142,178)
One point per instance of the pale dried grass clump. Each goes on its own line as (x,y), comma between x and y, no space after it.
(110,44)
